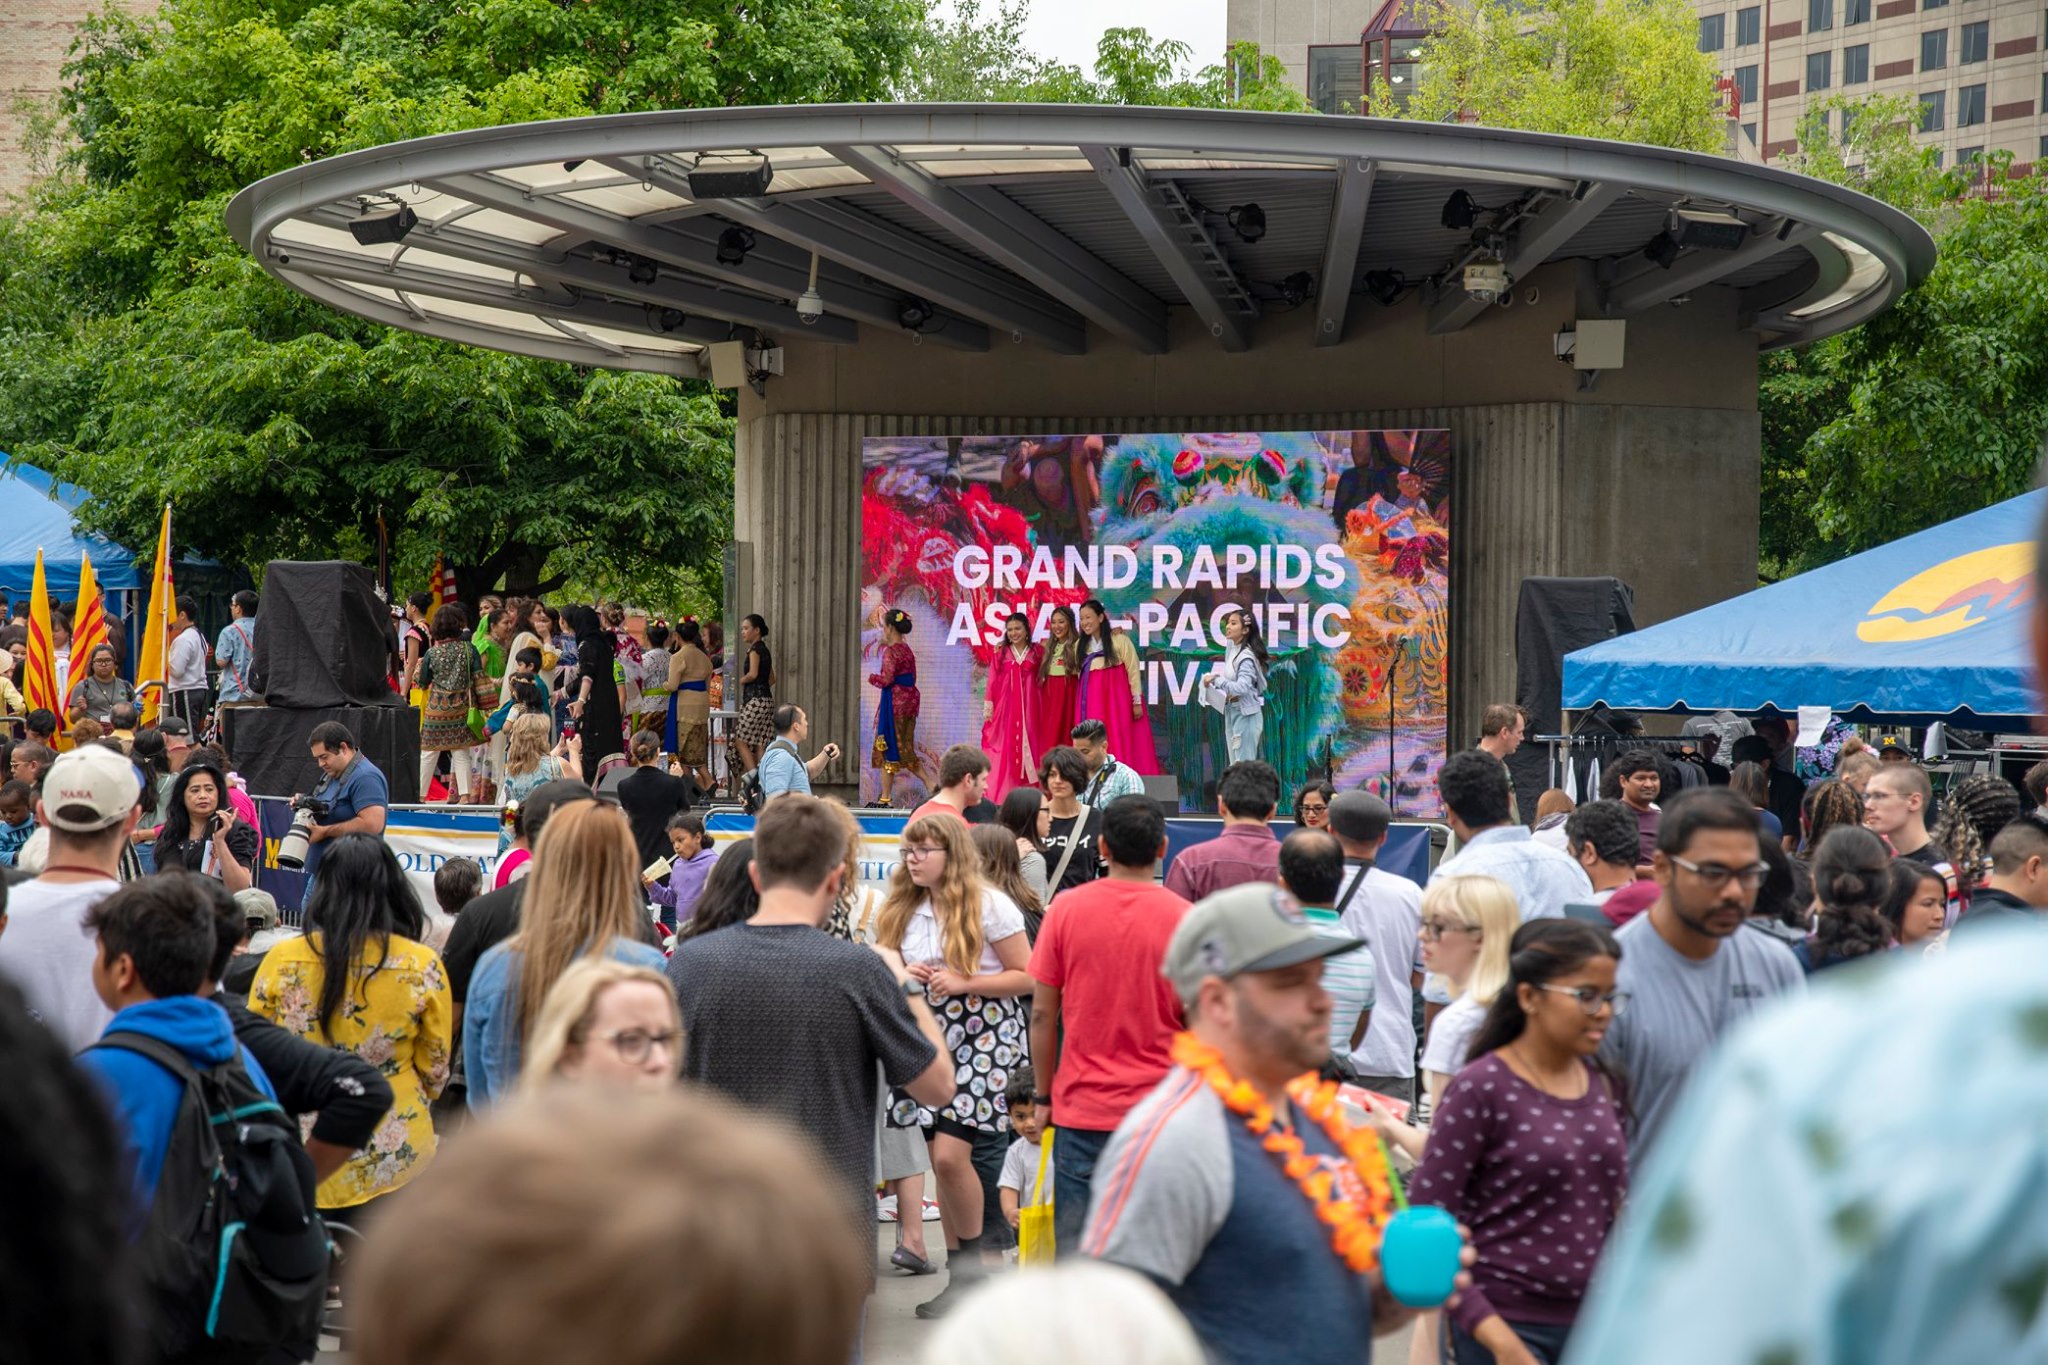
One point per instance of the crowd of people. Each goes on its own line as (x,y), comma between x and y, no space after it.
(652,1090)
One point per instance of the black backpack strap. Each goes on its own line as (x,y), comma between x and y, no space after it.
(156,1049)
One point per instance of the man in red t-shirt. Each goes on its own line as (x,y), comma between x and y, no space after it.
(1102,1016)
(963,772)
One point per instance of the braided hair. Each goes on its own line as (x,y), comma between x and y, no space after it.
(1852,877)
(1826,807)
(1977,808)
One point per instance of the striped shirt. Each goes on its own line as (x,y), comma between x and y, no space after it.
(1348,977)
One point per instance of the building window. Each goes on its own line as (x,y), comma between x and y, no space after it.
(1856,64)
(1976,42)
(1969,106)
(1937,150)
(1969,156)
(1745,85)
(1749,26)
(1933,4)
(1335,79)
(1819,69)
(1934,49)
(1820,15)
(2044,144)
(1933,108)
(1749,131)
(1855,12)
(1713,32)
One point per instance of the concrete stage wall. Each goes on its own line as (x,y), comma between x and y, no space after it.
(1651,476)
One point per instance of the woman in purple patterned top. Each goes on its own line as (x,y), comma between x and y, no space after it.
(1528,1150)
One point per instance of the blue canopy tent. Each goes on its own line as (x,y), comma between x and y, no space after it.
(1931,627)
(37,512)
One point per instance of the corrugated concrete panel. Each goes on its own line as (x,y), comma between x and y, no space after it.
(797,505)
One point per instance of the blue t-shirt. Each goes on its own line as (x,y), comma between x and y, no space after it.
(782,770)
(1186,1193)
(362,787)
(235,651)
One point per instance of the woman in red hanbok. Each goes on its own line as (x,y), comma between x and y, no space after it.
(1009,733)
(1112,690)
(1059,682)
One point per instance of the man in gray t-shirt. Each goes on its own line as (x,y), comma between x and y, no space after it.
(1690,972)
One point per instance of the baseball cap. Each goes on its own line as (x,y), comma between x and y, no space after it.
(258,905)
(1894,744)
(1256,927)
(89,789)
(1359,816)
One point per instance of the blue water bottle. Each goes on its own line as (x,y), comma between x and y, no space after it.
(1419,1256)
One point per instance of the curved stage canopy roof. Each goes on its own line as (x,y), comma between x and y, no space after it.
(632,240)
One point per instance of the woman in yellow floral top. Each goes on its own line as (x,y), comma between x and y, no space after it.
(360,980)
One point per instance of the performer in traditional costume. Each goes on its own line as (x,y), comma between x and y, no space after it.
(896,718)
(1059,682)
(1112,689)
(1009,733)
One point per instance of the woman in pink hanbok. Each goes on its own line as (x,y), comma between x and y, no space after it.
(1009,716)
(1112,689)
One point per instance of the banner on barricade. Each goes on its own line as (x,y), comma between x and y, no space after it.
(422,837)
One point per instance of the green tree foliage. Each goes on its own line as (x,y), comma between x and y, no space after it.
(1624,69)
(146,357)
(969,57)
(1938,406)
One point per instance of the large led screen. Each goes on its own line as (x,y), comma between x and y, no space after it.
(1338,542)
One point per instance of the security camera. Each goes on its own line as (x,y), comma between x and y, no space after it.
(810,306)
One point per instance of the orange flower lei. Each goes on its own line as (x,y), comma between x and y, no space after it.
(1357,1217)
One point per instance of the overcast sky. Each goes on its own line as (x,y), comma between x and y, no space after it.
(1067,30)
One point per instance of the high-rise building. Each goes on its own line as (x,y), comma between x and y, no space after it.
(1974,67)
(34,36)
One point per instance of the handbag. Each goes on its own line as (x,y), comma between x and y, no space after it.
(1034,1220)
(483,697)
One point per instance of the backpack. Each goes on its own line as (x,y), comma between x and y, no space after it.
(751,795)
(234,1253)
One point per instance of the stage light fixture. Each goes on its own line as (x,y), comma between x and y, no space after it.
(1710,231)
(730,177)
(1385,286)
(733,245)
(1486,279)
(1663,249)
(913,313)
(670,319)
(642,270)
(381,227)
(1248,221)
(1295,289)
(1459,211)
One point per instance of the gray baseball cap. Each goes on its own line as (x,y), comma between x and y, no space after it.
(1256,927)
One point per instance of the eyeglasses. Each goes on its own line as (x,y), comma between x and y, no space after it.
(1437,928)
(634,1045)
(1713,874)
(1591,998)
(1306,809)
(917,853)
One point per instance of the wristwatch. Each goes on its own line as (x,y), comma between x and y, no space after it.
(1041,1099)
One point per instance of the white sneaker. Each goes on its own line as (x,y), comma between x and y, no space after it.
(886,1209)
(931,1211)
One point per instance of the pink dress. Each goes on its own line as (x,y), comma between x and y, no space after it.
(1106,696)
(1009,735)
(1058,697)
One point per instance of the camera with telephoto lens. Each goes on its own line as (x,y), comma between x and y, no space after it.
(291,850)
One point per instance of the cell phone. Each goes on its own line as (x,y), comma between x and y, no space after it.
(217,823)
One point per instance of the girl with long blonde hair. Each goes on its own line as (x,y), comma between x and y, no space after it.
(967,945)
(583,899)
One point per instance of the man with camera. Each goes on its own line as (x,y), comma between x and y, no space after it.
(353,796)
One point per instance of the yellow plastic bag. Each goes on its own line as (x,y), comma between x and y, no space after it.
(1034,1220)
